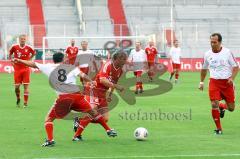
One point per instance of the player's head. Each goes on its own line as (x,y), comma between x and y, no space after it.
(138,45)
(119,58)
(175,43)
(22,39)
(216,41)
(58,57)
(84,45)
(72,42)
(151,43)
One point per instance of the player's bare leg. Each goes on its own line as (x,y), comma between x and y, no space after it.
(49,130)
(97,117)
(172,74)
(226,106)
(150,73)
(176,75)
(216,117)
(26,94)
(17,92)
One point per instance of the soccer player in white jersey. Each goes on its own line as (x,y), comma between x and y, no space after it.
(175,55)
(86,59)
(138,59)
(223,69)
(69,97)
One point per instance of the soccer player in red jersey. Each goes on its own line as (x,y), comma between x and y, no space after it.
(69,96)
(106,79)
(151,52)
(223,69)
(21,72)
(175,57)
(71,52)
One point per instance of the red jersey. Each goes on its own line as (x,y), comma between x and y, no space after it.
(71,53)
(24,53)
(108,71)
(151,53)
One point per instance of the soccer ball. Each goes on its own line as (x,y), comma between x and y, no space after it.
(141,134)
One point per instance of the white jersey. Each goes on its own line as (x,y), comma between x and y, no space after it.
(85,58)
(139,58)
(72,76)
(175,54)
(219,64)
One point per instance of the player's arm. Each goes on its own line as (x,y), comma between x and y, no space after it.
(11,51)
(235,68)
(203,73)
(107,83)
(109,97)
(85,77)
(25,62)
(33,53)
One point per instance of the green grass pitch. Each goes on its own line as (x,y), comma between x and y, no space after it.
(22,130)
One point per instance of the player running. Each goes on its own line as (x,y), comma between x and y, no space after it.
(151,52)
(69,99)
(106,79)
(21,72)
(138,59)
(71,52)
(175,55)
(223,69)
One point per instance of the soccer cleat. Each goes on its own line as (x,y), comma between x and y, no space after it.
(48,143)
(218,132)
(78,138)
(141,91)
(18,102)
(136,92)
(111,133)
(25,105)
(75,124)
(222,112)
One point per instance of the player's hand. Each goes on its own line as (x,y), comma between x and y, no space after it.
(201,86)
(93,84)
(119,87)
(15,60)
(230,80)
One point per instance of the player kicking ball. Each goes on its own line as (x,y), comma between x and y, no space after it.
(223,69)
(69,97)
(99,97)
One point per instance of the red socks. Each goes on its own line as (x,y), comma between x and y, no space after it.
(49,130)
(176,76)
(222,105)
(139,85)
(99,118)
(216,118)
(83,122)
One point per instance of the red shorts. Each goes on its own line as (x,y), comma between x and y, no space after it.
(22,76)
(220,89)
(138,73)
(151,64)
(97,98)
(176,66)
(85,70)
(67,102)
